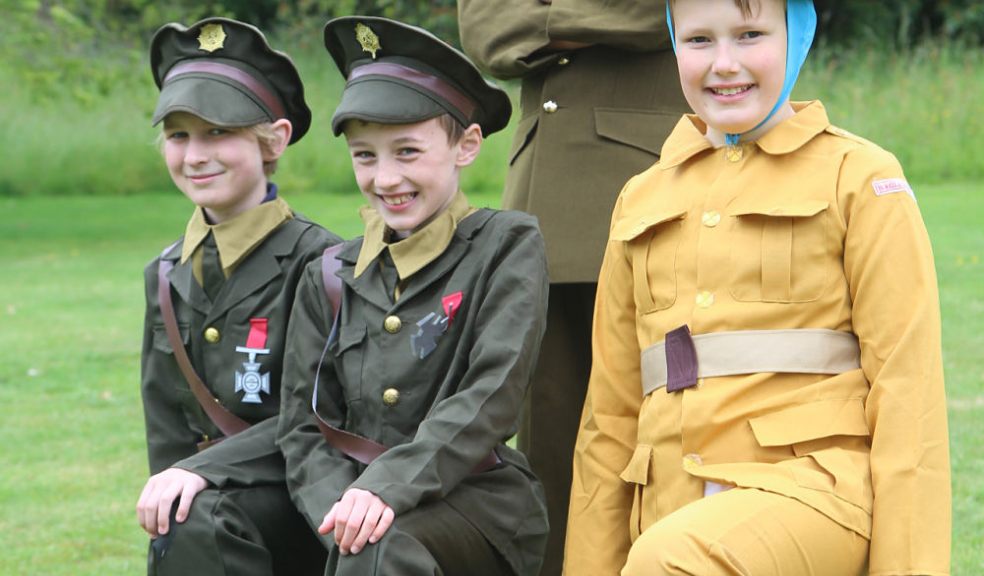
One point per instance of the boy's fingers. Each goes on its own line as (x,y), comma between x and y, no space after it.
(354,523)
(385,521)
(147,508)
(328,524)
(368,525)
(164,509)
(184,503)
(343,509)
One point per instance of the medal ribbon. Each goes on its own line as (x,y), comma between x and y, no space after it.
(257,333)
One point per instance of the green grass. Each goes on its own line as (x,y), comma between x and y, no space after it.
(71,303)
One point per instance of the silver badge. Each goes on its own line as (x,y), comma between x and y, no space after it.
(251,380)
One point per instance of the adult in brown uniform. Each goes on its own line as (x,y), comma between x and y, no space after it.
(600,93)
(229,105)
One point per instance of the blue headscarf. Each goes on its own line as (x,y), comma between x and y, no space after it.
(801,25)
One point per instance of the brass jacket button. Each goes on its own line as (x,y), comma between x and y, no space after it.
(391,396)
(212,334)
(705,299)
(711,218)
(564,61)
(549,106)
(392,324)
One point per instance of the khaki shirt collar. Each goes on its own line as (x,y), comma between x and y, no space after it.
(237,237)
(687,139)
(412,253)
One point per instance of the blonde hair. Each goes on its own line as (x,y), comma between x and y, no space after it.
(265,136)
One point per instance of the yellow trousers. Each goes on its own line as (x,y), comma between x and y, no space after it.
(747,532)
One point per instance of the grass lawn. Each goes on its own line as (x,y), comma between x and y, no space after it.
(71,309)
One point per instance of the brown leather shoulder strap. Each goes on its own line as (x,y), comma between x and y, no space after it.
(352,445)
(357,447)
(224,420)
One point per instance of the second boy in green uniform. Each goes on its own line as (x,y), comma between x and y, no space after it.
(442,308)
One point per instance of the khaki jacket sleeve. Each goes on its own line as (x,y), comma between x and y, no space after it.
(637,25)
(888,261)
(508,38)
(598,537)
(501,36)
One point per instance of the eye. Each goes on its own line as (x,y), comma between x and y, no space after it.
(216,131)
(407,151)
(751,35)
(697,40)
(362,155)
(175,135)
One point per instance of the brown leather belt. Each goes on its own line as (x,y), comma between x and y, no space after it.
(359,448)
(224,420)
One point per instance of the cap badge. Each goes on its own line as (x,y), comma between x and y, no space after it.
(211,38)
(367,39)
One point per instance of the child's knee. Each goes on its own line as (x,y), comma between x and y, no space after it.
(662,549)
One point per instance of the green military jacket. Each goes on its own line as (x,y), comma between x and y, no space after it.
(590,118)
(262,286)
(438,375)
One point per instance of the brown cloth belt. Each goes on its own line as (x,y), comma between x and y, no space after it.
(224,420)
(359,448)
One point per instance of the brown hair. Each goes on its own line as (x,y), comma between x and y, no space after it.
(744,5)
(446,121)
(452,127)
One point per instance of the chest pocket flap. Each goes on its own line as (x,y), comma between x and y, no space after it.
(800,209)
(651,242)
(349,360)
(780,250)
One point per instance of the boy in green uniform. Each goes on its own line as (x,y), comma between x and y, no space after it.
(218,301)
(442,309)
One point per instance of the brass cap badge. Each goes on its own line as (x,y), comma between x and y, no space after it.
(211,38)
(367,39)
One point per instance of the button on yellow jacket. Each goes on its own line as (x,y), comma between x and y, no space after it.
(812,228)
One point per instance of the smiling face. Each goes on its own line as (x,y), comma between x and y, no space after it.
(732,67)
(409,172)
(219,169)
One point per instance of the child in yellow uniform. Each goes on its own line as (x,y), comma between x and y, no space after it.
(767,387)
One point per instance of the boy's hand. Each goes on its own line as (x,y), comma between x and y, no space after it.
(359,517)
(159,494)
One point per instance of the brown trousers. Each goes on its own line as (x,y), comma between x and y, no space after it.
(553,406)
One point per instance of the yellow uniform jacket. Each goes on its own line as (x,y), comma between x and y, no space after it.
(812,228)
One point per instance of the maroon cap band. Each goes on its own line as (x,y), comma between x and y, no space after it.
(461,102)
(231,72)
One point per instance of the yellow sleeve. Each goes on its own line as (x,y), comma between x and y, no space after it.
(888,261)
(598,527)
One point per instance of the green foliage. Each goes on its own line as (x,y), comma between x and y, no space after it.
(922,104)
(898,23)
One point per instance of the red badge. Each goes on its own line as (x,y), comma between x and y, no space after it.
(451,303)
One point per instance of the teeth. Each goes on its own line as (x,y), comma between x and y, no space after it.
(730,91)
(397,200)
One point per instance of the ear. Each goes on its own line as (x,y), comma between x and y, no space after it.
(282,129)
(469,146)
